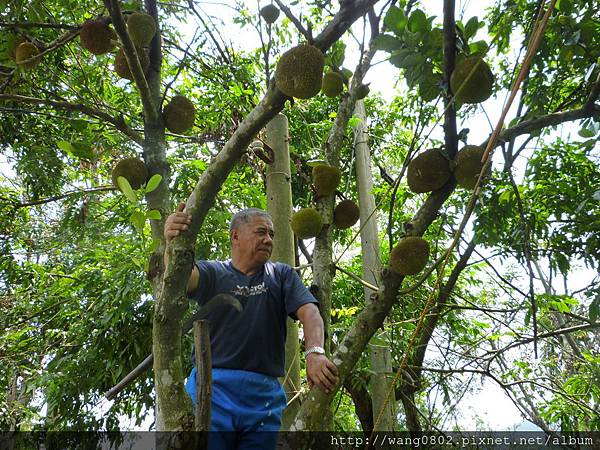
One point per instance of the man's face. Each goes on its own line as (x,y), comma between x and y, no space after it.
(254,240)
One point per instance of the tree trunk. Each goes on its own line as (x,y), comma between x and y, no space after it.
(279,205)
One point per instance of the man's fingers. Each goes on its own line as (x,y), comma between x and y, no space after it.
(332,367)
(329,374)
(180,218)
(181,207)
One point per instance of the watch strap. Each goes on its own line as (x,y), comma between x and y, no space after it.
(315,349)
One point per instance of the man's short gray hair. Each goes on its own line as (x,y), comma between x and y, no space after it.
(245,216)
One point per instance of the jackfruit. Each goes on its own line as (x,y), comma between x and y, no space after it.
(24,52)
(95,37)
(478,86)
(299,72)
(133,169)
(468,165)
(345,214)
(333,84)
(326,179)
(409,256)
(270,13)
(362,91)
(306,223)
(122,68)
(179,114)
(141,28)
(13,43)
(428,172)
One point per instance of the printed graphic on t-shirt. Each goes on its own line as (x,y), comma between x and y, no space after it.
(247,291)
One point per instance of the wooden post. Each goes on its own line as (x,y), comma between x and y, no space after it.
(279,205)
(203,380)
(371,267)
(382,388)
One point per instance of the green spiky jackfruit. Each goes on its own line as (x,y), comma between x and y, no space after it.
(179,114)
(428,172)
(270,13)
(306,223)
(95,37)
(299,72)
(409,256)
(333,84)
(26,55)
(133,169)
(362,91)
(326,179)
(346,214)
(122,68)
(475,87)
(13,43)
(141,28)
(468,165)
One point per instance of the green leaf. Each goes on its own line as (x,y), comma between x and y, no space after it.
(153,214)
(79,125)
(395,20)
(387,43)
(398,57)
(478,48)
(125,188)
(154,244)
(354,121)
(82,150)
(76,149)
(586,133)
(471,27)
(65,147)
(418,21)
(138,219)
(153,182)
(564,5)
(337,53)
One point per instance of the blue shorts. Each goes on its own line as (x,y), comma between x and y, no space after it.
(246,409)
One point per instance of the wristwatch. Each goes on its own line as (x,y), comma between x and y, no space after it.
(314,349)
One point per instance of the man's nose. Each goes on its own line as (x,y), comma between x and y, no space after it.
(268,239)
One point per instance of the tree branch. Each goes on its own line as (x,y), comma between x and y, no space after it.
(17,25)
(548,120)
(594,93)
(306,33)
(450,136)
(61,196)
(150,108)
(559,332)
(119,123)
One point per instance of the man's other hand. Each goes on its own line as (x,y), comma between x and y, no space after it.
(321,371)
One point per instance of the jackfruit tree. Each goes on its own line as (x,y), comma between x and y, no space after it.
(169,97)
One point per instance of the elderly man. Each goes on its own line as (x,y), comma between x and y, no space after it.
(248,347)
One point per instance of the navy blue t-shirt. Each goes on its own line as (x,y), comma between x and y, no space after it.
(253,339)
